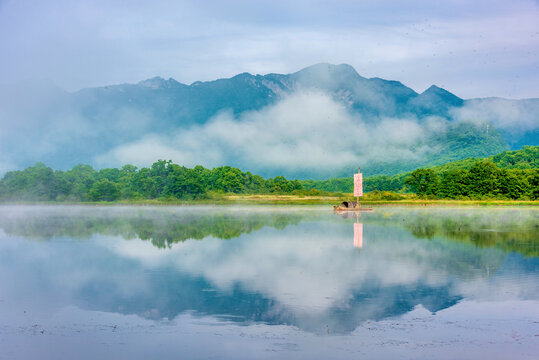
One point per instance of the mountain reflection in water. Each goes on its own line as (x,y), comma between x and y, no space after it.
(278,265)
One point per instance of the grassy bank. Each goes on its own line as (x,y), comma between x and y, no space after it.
(335,199)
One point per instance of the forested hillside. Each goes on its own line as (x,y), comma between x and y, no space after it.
(162,180)
(328,116)
(512,174)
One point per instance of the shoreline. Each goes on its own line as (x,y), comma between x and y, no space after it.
(285,200)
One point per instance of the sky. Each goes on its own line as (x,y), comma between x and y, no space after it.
(471,48)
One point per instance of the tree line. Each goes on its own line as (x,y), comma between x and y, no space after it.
(162,180)
(511,174)
(346,185)
(483,180)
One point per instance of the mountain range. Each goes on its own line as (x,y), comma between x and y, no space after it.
(321,121)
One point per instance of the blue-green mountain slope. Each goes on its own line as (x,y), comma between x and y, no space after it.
(88,126)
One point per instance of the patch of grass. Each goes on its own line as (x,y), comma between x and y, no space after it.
(372,198)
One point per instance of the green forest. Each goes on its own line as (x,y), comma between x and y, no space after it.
(160,181)
(508,175)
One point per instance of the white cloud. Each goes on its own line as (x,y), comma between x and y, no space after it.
(296,268)
(503,114)
(305,131)
(307,269)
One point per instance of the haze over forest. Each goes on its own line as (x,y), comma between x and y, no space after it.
(318,122)
(57,104)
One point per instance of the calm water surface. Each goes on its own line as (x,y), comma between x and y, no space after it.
(268,282)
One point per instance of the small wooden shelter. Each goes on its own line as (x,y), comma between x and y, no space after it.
(349,204)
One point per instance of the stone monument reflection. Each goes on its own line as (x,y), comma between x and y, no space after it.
(358,235)
(358,228)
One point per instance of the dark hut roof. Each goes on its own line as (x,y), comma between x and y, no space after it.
(349,204)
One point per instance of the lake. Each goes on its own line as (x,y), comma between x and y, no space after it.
(270,282)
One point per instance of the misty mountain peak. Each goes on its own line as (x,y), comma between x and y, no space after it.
(327,77)
(436,90)
(159,83)
(125,114)
(326,69)
(243,75)
(437,93)
(433,89)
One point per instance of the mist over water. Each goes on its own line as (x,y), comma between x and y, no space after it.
(308,90)
(297,267)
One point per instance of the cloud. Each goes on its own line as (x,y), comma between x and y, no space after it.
(306,131)
(296,268)
(510,115)
(6,165)
(145,152)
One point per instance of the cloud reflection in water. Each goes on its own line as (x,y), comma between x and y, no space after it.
(277,265)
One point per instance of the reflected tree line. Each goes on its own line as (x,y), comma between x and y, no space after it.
(173,292)
(509,230)
(162,229)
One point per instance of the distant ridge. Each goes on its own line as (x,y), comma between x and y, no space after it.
(85,124)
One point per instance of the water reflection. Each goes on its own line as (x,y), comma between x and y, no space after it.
(358,236)
(358,228)
(281,265)
(161,226)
